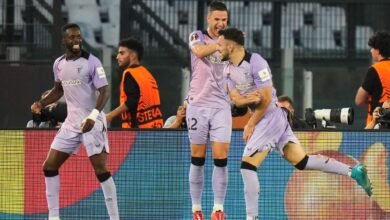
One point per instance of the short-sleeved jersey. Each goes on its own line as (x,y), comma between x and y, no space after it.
(80,78)
(207,81)
(250,74)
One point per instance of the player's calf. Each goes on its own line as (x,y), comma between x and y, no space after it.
(330,165)
(324,164)
(251,188)
(109,192)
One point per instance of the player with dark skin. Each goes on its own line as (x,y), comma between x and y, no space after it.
(72,41)
(80,91)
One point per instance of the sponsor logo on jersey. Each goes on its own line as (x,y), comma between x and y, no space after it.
(70,82)
(244,86)
(79,69)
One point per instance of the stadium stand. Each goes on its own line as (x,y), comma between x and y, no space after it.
(2,20)
(89,35)
(332,17)
(43,11)
(110,34)
(313,26)
(362,34)
(253,19)
(186,13)
(178,15)
(19,22)
(113,10)
(110,29)
(87,12)
(304,25)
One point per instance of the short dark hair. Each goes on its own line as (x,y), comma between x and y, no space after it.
(217,6)
(381,41)
(133,44)
(284,98)
(233,34)
(69,26)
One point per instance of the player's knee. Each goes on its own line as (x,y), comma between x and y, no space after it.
(100,169)
(248,166)
(49,170)
(103,176)
(50,173)
(220,162)
(198,161)
(301,165)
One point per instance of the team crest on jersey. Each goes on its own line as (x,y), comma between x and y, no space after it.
(79,69)
(195,36)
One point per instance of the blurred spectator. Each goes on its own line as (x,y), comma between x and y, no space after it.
(379,117)
(51,116)
(139,95)
(178,120)
(287,103)
(376,85)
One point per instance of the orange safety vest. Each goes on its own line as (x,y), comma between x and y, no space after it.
(383,70)
(148,111)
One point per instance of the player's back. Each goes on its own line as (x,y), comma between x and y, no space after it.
(207,82)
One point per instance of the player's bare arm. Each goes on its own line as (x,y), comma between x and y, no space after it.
(258,113)
(102,98)
(203,50)
(89,122)
(54,95)
(243,101)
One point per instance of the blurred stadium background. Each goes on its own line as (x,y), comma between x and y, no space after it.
(325,37)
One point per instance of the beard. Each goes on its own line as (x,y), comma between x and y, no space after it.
(225,57)
(124,64)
